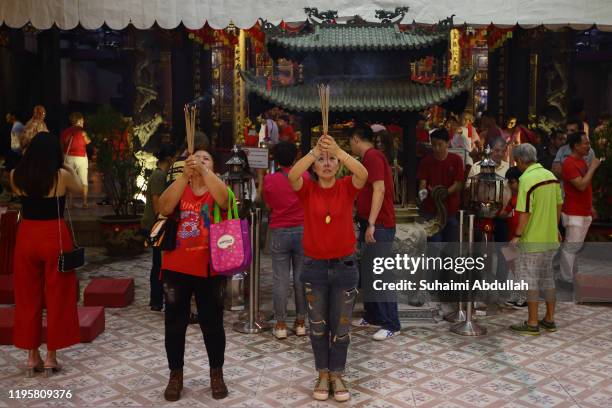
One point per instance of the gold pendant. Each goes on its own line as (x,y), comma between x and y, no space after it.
(328,219)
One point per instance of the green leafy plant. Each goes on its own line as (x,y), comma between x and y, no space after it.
(602,189)
(112,137)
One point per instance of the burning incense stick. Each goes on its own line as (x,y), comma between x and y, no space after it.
(324,98)
(190,119)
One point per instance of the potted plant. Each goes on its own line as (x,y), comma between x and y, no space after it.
(111,135)
(601,229)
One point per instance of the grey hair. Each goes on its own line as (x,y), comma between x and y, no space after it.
(526,153)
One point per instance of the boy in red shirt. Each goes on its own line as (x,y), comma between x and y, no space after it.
(376,232)
(441,168)
(577,206)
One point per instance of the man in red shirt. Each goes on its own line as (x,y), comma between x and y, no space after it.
(441,168)
(286,132)
(376,232)
(576,214)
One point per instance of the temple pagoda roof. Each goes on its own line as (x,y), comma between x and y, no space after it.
(347,37)
(359,95)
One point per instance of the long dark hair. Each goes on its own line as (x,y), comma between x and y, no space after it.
(38,169)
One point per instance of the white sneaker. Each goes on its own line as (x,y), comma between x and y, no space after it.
(361,322)
(280,333)
(384,334)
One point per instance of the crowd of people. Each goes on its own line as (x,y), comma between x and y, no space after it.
(75,143)
(312,231)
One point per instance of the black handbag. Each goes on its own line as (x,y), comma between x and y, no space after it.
(70,260)
(163,233)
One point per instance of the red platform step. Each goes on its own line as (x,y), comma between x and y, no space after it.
(109,292)
(91,322)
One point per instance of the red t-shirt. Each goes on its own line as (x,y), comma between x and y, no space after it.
(441,173)
(192,253)
(279,196)
(78,144)
(378,169)
(336,239)
(576,202)
(287,134)
(513,215)
(422,135)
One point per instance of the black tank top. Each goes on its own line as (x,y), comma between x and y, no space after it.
(41,209)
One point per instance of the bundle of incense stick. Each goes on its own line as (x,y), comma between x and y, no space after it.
(190,119)
(324,98)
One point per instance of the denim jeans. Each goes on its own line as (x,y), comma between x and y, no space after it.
(381,313)
(331,289)
(287,254)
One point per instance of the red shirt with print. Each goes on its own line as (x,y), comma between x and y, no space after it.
(576,202)
(192,253)
(336,239)
(441,173)
(378,170)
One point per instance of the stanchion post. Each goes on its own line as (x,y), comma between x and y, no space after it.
(254,324)
(469,327)
(459,315)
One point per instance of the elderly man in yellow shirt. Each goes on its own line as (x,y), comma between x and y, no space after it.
(539,204)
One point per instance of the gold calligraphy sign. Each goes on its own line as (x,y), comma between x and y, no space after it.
(455,58)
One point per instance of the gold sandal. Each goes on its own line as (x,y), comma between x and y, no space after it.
(321,389)
(338,387)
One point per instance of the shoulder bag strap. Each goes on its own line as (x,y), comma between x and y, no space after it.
(232,208)
(59,224)
(69,143)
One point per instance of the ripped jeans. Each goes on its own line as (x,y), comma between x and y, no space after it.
(331,288)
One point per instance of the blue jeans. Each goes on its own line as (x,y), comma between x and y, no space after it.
(331,289)
(383,314)
(287,253)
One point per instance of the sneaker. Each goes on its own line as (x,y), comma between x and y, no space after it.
(524,328)
(321,389)
(299,328)
(384,334)
(516,305)
(280,330)
(548,326)
(361,322)
(338,388)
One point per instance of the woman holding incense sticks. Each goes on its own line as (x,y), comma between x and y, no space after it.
(186,270)
(330,274)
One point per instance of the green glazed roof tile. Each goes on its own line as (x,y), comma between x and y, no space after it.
(340,37)
(359,95)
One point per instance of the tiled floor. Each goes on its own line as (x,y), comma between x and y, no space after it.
(426,366)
